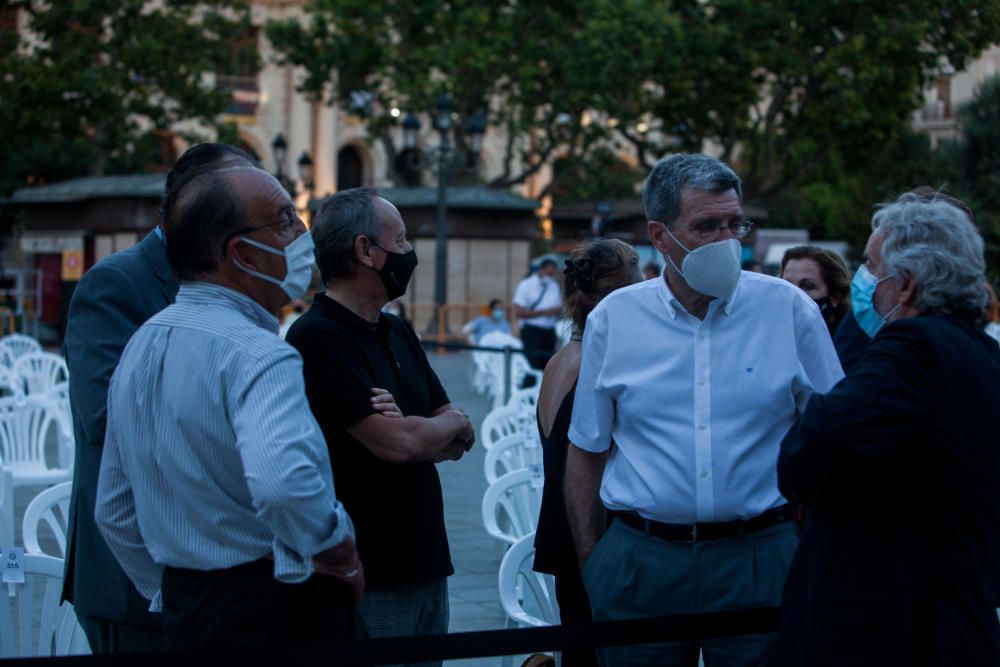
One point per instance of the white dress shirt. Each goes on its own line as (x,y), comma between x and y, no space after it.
(694,411)
(212,457)
(527,296)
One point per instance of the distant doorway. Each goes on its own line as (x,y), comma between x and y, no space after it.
(350,169)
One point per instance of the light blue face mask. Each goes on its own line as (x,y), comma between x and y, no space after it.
(863,301)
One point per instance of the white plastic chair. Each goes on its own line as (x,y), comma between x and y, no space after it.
(527,395)
(508,454)
(10,384)
(27,426)
(14,346)
(58,632)
(41,371)
(497,423)
(521,589)
(6,508)
(52,507)
(513,498)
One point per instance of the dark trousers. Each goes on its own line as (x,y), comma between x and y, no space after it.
(106,637)
(246,609)
(539,345)
(574,609)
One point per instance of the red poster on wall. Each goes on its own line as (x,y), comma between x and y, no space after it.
(50,266)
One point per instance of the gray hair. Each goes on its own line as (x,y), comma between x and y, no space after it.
(935,243)
(661,195)
(341,220)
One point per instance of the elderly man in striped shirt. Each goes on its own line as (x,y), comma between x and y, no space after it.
(215,492)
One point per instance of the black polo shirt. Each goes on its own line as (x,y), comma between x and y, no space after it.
(397,508)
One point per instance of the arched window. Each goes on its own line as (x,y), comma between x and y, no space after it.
(350,168)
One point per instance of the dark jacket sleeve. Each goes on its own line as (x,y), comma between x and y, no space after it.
(106,310)
(866,418)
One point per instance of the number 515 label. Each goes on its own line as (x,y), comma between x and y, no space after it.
(13,565)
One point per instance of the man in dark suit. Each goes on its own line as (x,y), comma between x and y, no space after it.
(897,562)
(114,298)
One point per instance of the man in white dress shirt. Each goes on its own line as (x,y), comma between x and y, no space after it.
(215,491)
(694,378)
(537,304)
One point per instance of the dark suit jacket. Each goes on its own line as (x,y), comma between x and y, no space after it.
(850,341)
(114,298)
(897,560)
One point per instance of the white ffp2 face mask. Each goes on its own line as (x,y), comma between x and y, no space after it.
(299,260)
(712,269)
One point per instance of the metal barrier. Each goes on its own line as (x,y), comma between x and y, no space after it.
(464,645)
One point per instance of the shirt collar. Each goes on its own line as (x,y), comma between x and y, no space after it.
(198,292)
(672,304)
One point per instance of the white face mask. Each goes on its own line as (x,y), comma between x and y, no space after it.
(299,260)
(712,269)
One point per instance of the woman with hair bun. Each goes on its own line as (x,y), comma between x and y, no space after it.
(592,272)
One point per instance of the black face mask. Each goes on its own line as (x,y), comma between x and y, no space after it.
(825,304)
(397,271)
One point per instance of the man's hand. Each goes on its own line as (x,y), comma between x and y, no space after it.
(342,562)
(452,452)
(384,402)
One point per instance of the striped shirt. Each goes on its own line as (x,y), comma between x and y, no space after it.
(212,458)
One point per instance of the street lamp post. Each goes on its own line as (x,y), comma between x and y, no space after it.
(475,129)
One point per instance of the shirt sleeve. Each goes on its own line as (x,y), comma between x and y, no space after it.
(593,407)
(337,381)
(522,295)
(116,518)
(818,360)
(287,465)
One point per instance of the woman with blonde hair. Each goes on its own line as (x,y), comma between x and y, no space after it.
(592,272)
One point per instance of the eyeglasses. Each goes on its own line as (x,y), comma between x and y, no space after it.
(286,225)
(709,231)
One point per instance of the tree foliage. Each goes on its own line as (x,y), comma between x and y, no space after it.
(89,85)
(535,67)
(786,89)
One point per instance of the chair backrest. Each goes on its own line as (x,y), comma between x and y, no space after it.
(57,632)
(497,423)
(52,507)
(15,345)
(41,371)
(528,396)
(509,453)
(27,424)
(515,500)
(10,384)
(499,339)
(522,589)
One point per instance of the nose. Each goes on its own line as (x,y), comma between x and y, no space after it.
(725,233)
(300,226)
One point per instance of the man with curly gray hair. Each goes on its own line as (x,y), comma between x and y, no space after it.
(898,560)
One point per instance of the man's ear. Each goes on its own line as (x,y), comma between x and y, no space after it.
(234,249)
(907,290)
(657,236)
(363,251)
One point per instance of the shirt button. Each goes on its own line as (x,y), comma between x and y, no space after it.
(701,381)
(704,474)
(701,336)
(701,427)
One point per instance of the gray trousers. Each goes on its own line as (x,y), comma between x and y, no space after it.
(420,609)
(632,575)
(109,637)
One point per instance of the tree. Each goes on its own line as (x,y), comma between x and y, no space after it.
(540,69)
(978,159)
(786,85)
(87,86)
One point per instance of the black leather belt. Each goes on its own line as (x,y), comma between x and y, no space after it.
(691,533)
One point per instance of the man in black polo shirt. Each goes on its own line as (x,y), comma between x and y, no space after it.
(383,466)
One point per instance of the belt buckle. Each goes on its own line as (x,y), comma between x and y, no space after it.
(694,535)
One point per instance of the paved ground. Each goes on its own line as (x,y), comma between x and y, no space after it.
(475,604)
